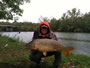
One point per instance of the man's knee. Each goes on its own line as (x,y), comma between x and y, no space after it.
(35,57)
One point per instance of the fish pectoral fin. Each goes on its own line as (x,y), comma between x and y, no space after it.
(44,53)
(67,53)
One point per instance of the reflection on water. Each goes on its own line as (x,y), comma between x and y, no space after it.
(80,41)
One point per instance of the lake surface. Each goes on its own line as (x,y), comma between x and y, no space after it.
(80,41)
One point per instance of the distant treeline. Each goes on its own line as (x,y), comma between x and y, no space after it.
(18,26)
(71,21)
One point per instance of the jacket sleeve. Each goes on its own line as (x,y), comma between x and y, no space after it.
(53,36)
(35,35)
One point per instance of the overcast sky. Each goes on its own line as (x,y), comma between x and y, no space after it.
(51,8)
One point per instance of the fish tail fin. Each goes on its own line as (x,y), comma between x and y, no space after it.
(67,53)
(70,48)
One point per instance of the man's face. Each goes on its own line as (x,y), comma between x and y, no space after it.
(44,30)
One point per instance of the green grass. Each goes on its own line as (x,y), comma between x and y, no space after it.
(15,56)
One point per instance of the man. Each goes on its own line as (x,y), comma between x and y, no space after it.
(44,32)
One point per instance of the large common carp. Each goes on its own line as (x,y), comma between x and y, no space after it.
(47,45)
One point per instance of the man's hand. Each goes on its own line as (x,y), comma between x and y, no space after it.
(53,50)
(34,49)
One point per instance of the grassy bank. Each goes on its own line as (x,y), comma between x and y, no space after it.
(13,55)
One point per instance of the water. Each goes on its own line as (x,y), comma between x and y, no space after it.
(24,36)
(80,41)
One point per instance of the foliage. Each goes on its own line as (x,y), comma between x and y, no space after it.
(72,21)
(10,8)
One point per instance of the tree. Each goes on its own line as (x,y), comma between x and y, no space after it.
(9,8)
(54,24)
(74,13)
(70,20)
